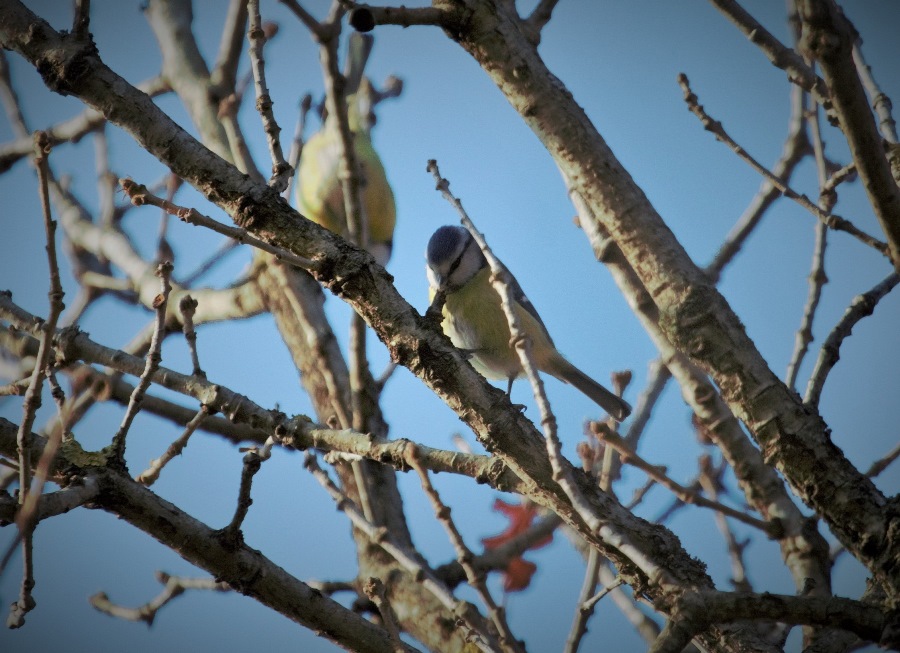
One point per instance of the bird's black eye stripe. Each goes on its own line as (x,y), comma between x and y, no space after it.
(459,258)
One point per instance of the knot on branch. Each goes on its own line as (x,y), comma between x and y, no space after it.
(63,70)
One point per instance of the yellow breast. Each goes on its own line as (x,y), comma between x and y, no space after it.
(474,321)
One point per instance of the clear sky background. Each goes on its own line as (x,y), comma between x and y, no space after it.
(620,60)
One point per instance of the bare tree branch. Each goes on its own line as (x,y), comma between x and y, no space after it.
(777,53)
(281,170)
(862,306)
(829,37)
(830,219)
(174,587)
(224,74)
(696,611)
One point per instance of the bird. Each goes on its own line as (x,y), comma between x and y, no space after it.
(319,193)
(473,319)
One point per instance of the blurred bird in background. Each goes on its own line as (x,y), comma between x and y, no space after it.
(319,192)
(474,320)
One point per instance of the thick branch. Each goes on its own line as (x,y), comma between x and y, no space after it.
(694,612)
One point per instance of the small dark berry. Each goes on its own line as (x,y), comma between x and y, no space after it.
(361,19)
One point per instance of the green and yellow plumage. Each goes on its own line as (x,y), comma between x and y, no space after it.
(319,192)
(474,320)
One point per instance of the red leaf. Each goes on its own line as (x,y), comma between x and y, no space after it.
(517,575)
(520,518)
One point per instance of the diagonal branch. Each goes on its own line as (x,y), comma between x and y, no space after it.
(833,221)
(223,77)
(862,306)
(829,37)
(281,170)
(775,51)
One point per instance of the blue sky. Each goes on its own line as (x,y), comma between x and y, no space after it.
(620,60)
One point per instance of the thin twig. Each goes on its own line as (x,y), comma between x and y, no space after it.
(226,246)
(658,377)
(14,112)
(709,480)
(374,589)
(627,605)
(640,493)
(537,20)
(174,586)
(227,115)
(223,77)
(609,472)
(796,147)
(882,463)
(140,195)
(409,560)
(149,476)
(828,36)
(297,141)
(81,23)
(27,517)
(386,375)
(25,520)
(684,494)
(596,598)
(878,98)
(839,176)
(498,558)
(69,131)
(306,18)
(817,276)
(464,555)
(862,306)
(584,609)
(832,220)
(106,180)
(154,356)
(231,534)
(187,305)
(164,251)
(780,55)
(281,170)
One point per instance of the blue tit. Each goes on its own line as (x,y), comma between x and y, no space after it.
(319,193)
(474,321)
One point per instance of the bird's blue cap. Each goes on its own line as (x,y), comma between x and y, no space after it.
(444,243)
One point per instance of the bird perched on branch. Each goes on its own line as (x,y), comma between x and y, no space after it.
(474,321)
(319,190)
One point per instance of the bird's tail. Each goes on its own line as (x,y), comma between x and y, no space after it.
(617,407)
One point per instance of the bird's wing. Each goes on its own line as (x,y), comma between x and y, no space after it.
(519,296)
